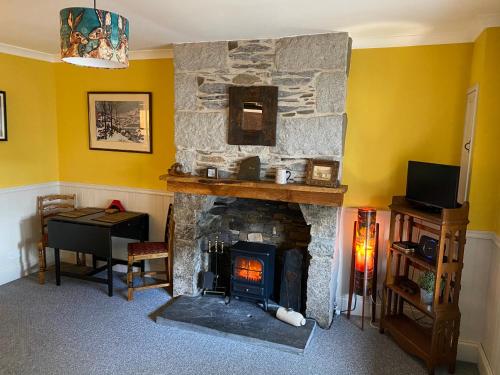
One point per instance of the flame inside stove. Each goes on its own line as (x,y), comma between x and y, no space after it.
(248,269)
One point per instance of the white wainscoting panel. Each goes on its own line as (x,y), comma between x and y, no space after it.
(153,202)
(480,283)
(491,342)
(20,229)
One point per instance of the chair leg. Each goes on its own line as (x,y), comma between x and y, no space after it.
(84,259)
(143,269)
(167,270)
(41,263)
(81,259)
(130,294)
(170,288)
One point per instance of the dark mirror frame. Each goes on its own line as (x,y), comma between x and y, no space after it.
(268,96)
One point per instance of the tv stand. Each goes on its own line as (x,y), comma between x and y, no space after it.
(424,207)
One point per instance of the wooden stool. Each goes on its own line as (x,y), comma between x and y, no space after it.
(140,251)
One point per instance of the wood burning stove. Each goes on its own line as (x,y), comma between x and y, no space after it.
(252,271)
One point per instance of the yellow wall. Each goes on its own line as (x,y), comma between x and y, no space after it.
(403,104)
(77,162)
(485,176)
(30,154)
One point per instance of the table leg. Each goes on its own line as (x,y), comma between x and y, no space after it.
(143,266)
(110,277)
(58,266)
(94,261)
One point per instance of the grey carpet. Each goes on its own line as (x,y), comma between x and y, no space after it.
(77,329)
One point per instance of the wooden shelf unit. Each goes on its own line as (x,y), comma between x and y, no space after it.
(436,343)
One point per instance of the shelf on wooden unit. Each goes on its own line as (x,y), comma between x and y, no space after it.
(265,190)
(415,258)
(444,217)
(409,334)
(413,299)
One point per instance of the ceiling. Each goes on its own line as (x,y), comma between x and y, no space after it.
(34,24)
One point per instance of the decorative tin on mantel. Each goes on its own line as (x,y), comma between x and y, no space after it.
(93,37)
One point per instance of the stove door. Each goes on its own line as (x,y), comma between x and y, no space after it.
(248,270)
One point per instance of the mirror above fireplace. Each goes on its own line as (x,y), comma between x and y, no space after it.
(252,115)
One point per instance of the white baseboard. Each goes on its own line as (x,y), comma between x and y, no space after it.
(472,351)
(483,363)
(468,351)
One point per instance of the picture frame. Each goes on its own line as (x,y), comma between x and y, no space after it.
(3,116)
(120,121)
(322,172)
(212,172)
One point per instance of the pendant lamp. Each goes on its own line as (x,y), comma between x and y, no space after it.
(93,37)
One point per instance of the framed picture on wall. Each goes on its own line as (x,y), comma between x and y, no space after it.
(3,117)
(322,172)
(120,121)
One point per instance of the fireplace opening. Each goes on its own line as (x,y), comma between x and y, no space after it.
(266,257)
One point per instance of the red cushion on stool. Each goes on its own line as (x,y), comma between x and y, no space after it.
(141,248)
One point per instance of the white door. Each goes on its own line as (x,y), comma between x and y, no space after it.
(467,142)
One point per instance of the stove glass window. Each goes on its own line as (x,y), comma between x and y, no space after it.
(248,269)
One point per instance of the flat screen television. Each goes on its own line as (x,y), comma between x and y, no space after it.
(434,185)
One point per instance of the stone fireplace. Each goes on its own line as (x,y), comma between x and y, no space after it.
(310,73)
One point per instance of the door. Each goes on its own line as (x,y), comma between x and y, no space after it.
(467,143)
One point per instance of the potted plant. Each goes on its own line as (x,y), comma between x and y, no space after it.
(426,282)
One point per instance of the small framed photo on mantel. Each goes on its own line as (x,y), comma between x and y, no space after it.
(120,121)
(212,172)
(322,172)
(3,116)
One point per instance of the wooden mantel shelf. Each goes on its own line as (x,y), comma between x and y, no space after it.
(265,190)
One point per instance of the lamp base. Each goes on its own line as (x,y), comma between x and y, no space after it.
(359,280)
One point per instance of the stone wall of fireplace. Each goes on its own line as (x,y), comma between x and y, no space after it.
(311,74)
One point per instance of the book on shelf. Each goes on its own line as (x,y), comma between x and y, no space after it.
(407,247)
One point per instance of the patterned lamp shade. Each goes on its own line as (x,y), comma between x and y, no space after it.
(94,38)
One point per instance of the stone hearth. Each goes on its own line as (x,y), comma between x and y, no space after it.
(311,73)
(239,320)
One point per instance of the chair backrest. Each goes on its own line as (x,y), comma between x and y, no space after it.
(169,239)
(51,205)
(170,225)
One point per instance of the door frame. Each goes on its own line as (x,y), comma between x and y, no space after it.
(470,90)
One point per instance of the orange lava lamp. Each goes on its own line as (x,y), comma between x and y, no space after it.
(363,281)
